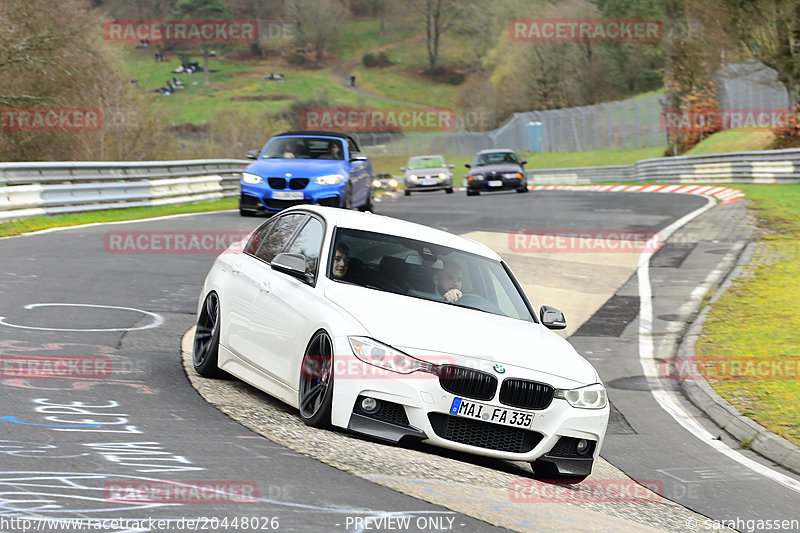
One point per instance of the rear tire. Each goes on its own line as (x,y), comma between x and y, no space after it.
(369,205)
(472,193)
(449,190)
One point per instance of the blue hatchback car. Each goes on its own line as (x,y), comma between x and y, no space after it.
(307,167)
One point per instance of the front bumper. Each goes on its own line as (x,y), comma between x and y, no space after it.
(428,184)
(496,184)
(419,408)
(260,199)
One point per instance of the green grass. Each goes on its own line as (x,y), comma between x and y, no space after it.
(737,140)
(757,320)
(359,36)
(27,225)
(236,84)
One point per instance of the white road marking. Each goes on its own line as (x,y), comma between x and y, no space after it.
(157,319)
(667,399)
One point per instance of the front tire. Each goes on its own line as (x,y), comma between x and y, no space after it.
(315,392)
(472,193)
(205,354)
(369,205)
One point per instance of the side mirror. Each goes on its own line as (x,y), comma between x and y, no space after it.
(451,166)
(358,156)
(468,166)
(403,169)
(253,154)
(551,317)
(524,162)
(292,264)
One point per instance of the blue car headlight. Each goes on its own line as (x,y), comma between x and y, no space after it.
(590,397)
(330,179)
(252,179)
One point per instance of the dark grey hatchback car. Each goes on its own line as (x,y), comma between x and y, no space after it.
(496,170)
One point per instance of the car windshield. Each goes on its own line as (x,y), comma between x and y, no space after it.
(304,148)
(423,270)
(426,162)
(495,158)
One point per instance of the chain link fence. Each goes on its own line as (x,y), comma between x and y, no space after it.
(633,123)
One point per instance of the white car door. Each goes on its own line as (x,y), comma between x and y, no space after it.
(281,324)
(249,281)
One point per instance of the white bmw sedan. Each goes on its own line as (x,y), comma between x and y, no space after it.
(400,331)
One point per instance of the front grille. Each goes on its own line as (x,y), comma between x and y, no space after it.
(484,434)
(283,204)
(298,183)
(277,183)
(467,382)
(567,447)
(390,412)
(526,394)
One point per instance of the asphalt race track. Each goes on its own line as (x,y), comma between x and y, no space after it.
(125,415)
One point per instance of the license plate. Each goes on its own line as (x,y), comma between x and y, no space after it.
(495,183)
(428,181)
(288,195)
(490,413)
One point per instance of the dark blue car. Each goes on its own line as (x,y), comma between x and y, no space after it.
(307,167)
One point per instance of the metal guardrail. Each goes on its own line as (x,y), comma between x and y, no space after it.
(29,189)
(768,166)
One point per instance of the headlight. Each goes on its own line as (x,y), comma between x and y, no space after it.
(376,184)
(478,177)
(382,356)
(442,176)
(413,177)
(252,179)
(514,175)
(591,397)
(392,182)
(331,179)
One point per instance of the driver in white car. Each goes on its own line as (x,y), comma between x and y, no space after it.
(448,281)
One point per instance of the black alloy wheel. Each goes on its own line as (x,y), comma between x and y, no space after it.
(315,393)
(206,339)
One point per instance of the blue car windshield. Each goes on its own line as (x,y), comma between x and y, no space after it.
(304,148)
(432,272)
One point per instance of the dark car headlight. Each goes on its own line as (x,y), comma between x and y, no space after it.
(252,179)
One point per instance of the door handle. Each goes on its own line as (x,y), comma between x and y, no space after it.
(264,286)
(236,269)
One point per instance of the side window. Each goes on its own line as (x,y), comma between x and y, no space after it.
(257,237)
(351,147)
(309,243)
(282,231)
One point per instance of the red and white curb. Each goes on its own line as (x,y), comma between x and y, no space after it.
(723,194)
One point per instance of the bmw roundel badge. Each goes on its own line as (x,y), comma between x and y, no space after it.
(499,369)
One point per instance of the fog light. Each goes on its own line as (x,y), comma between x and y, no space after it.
(370,405)
(582,447)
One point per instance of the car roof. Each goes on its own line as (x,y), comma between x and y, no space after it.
(317,133)
(495,150)
(393,226)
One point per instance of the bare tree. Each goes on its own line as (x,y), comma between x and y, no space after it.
(317,23)
(438,16)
